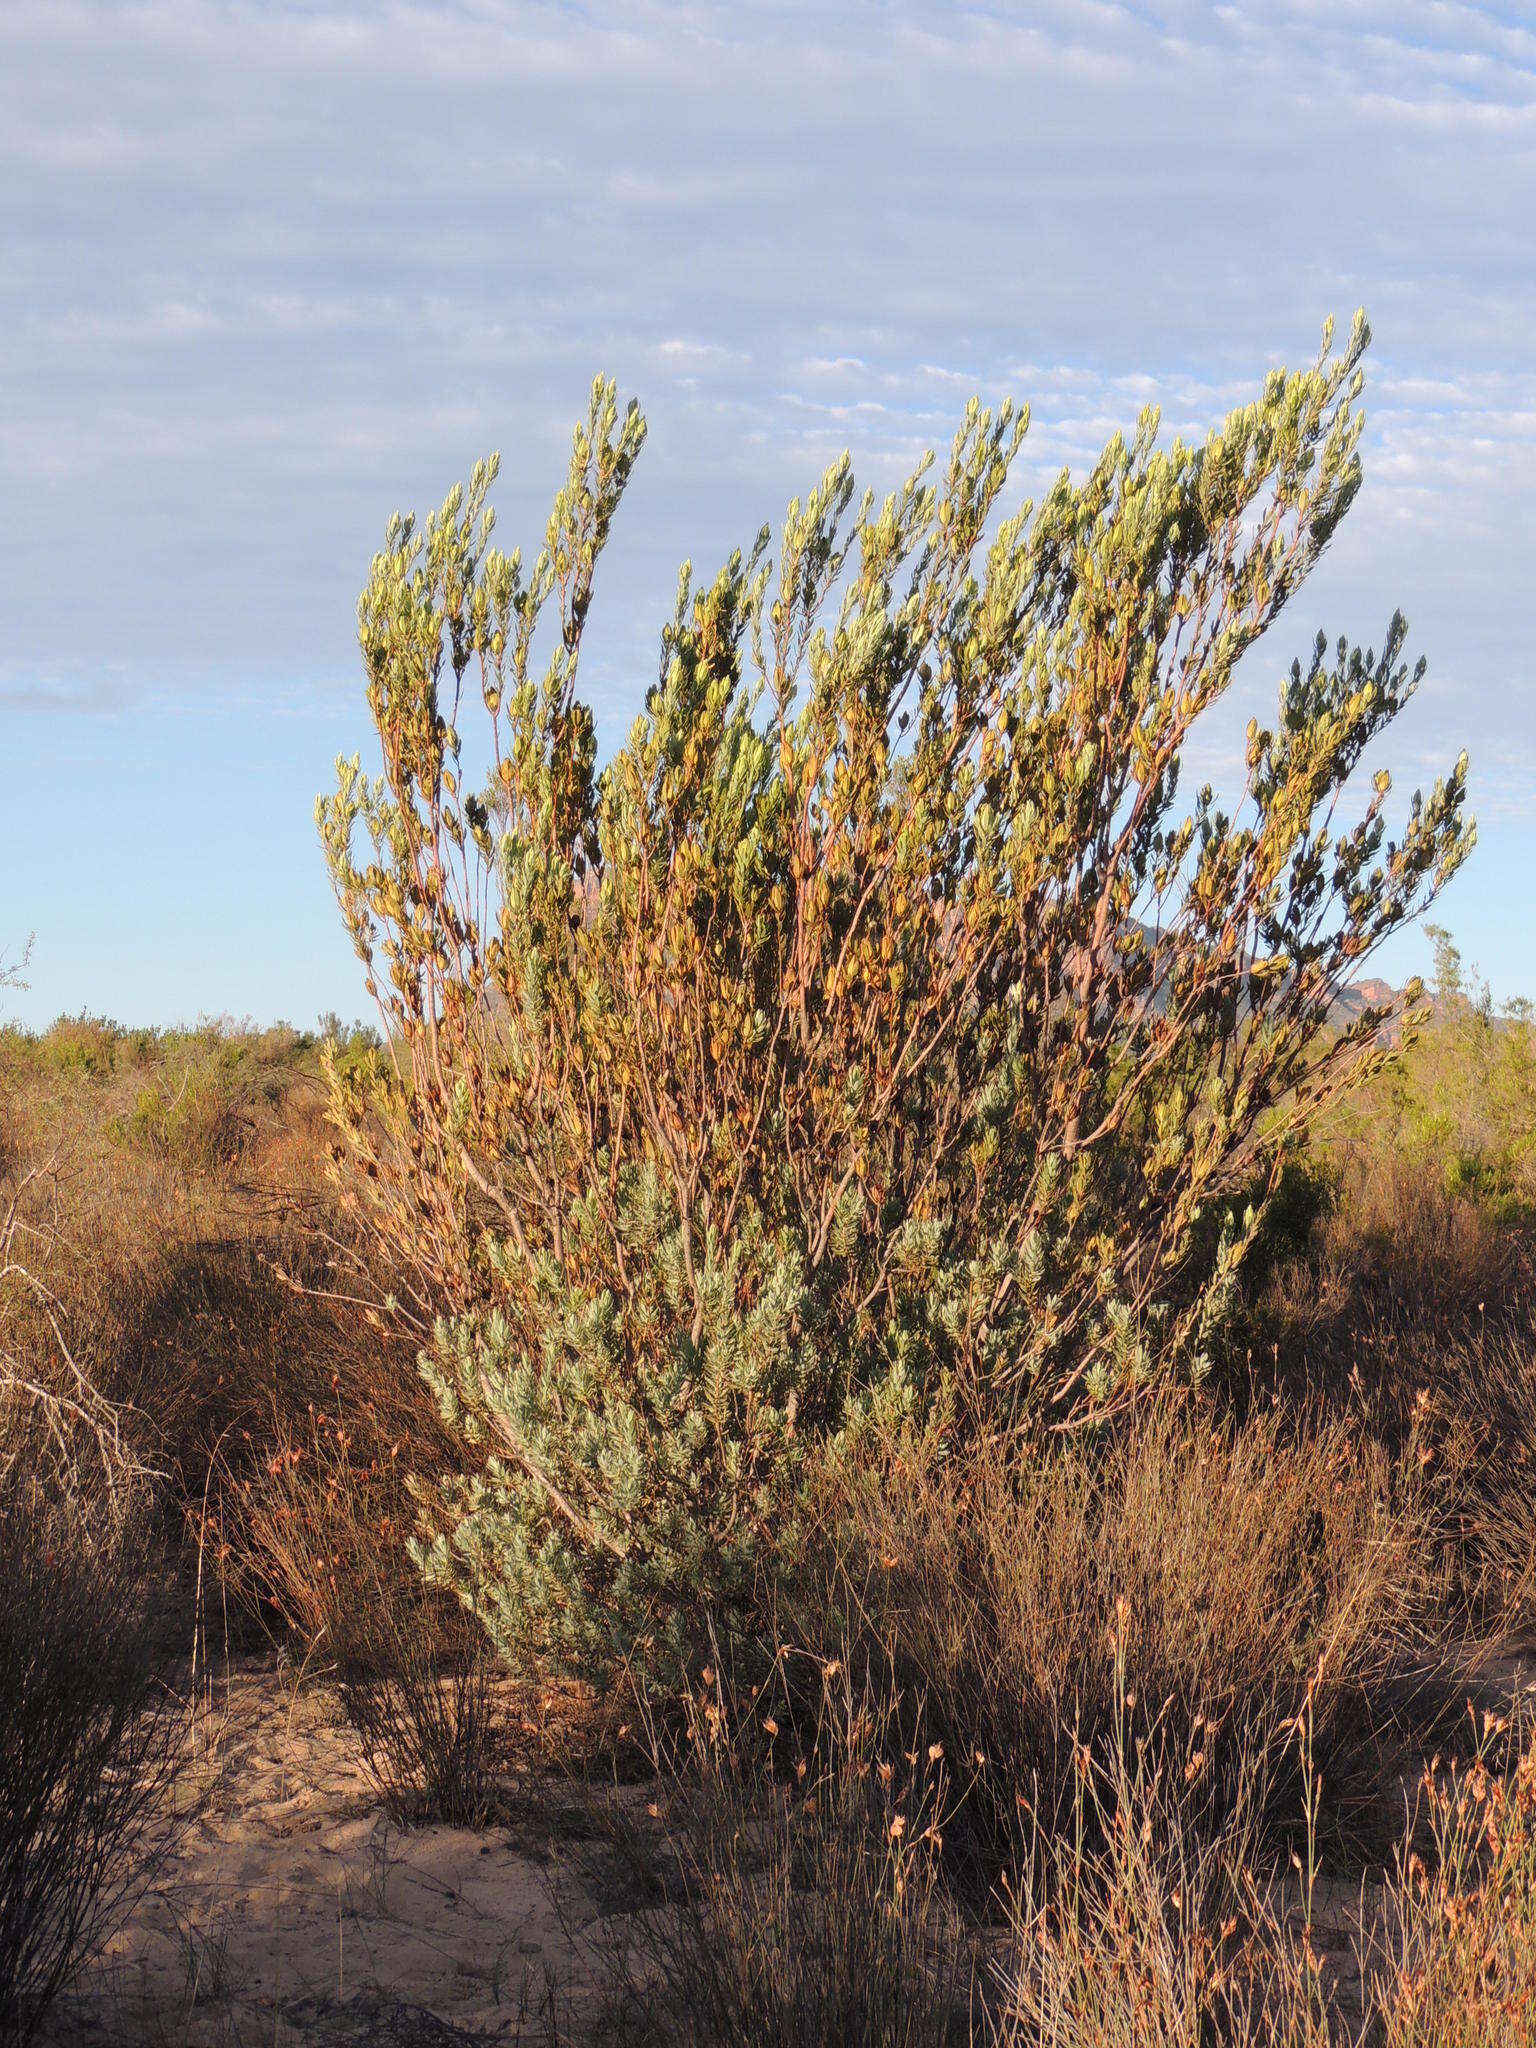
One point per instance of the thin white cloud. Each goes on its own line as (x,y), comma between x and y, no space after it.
(697,354)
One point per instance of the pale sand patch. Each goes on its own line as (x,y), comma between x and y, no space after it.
(294,1909)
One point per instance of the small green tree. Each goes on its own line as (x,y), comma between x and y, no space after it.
(877,1030)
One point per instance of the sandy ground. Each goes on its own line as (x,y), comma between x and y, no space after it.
(293,1910)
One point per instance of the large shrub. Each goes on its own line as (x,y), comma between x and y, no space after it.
(879,1027)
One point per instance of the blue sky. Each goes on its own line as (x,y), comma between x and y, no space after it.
(268,271)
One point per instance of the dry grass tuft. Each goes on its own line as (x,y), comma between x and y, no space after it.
(1456,1964)
(90,1733)
(1235,1565)
(1130,1929)
(322,1532)
(796,1880)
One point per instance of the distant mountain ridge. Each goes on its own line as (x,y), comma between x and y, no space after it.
(1373,993)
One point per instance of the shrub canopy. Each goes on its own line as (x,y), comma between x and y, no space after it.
(879,1030)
